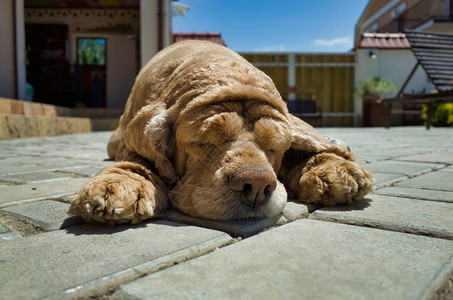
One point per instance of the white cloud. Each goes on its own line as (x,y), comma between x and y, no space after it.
(345,41)
(277,48)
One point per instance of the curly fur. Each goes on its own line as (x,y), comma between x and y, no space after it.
(200,118)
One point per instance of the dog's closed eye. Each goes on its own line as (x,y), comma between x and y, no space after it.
(221,128)
(272,135)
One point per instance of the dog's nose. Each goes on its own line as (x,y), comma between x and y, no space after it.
(255,185)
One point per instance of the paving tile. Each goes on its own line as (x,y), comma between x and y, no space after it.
(7,233)
(241,228)
(447,169)
(396,152)
(381,179)
(35,191)
(434,181)
(75,261)
(79,154)
(3,229)
(34,177)
(7,153)
(49,214)
(84,171)
(391,213)
(367,158)
(307,259)
(391,152)
(294,210)
(400,167)
(18,166)
(431,195)
(437,157)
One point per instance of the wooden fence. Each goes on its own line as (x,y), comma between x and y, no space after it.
(327,79)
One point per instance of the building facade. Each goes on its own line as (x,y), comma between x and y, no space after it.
(83,53)
(382,50)
(392,16)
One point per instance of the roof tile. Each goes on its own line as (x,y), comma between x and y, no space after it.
(383,41)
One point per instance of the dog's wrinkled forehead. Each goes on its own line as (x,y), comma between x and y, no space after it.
(250,111)
(223,122)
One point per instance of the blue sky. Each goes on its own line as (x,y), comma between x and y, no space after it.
(275,25)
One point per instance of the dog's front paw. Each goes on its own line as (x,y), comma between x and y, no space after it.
(332,180)
(123,192)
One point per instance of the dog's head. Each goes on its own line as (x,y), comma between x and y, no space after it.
(228,155)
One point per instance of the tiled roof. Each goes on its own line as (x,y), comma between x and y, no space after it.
(383,41)
(205,36)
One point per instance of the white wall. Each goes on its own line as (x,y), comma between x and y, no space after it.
(121,69)
(7,50)
(149,28)
(21,76)
(12,49)
(393,64)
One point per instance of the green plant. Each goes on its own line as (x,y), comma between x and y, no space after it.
(442,115)
(375,88)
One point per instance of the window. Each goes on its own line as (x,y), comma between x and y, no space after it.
(91,51)
(373,28)
(398,10)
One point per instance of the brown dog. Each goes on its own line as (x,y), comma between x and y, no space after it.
(208,132)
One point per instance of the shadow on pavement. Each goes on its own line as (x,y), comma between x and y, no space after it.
(100,228)
(359,205)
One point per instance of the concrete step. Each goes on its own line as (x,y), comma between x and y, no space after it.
(20,119)
(19,126)
(25,108)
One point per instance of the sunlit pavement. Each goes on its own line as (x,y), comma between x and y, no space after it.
(397,244)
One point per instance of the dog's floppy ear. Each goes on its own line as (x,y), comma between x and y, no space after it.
(305,138)
(149,135)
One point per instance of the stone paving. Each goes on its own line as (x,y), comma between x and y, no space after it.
(396,244)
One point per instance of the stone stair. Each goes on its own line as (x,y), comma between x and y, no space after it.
(27,119)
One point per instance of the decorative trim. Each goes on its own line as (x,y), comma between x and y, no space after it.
(81,13)
(109,28)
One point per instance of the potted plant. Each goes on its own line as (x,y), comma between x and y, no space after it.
(372,91)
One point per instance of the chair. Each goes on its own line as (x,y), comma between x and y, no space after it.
(305,109)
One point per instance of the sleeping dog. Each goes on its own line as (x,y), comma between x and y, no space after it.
(208,134)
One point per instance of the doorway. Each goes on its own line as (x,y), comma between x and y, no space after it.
(90,72)
(47,66)
(50,72)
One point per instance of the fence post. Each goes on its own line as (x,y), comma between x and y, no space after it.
(292,75)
